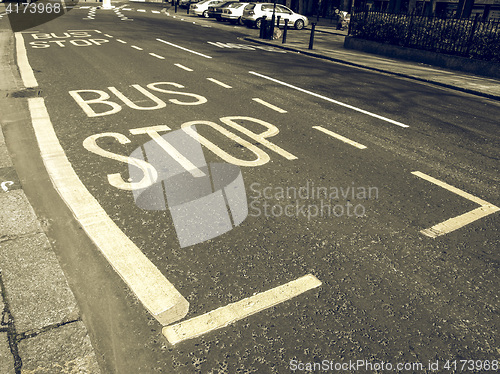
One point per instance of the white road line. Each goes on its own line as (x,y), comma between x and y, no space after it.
(155,12)
(27,75)
(219,83)
(136,47)
(340,137)
(231,313)
(141,10)
(329,99)
(121,41)
(183,67)
(127,9)
(184,49)
(273,107)
(97,31)
(109,36)
(455,223)
(155,292)
(157,56)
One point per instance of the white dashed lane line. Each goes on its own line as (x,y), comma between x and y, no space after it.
(183,67)
(157,56)
(136,47)
(219,83)
(271,106)
(340,137)
(121,41)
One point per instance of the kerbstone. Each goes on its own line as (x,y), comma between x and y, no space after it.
(37,291)
(66,349)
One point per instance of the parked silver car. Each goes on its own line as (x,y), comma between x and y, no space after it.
(233,12)
(255,12)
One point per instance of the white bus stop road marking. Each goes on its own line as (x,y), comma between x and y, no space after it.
(155,292)
(231,313)
(455,223)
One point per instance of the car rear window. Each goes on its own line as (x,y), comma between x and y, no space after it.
(250,6)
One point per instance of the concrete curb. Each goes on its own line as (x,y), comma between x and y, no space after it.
(380,70)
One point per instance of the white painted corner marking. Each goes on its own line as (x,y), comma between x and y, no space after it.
(226,315)
(457,222)
(340,137)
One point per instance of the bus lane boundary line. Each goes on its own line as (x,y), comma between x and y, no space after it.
(457,222)
(149,285)
(231,313)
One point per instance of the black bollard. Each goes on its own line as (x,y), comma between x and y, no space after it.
(285,29)
(263,28)
(175,5)
(311,39)
(278,21)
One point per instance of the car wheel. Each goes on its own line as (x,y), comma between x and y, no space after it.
(205,14)
(258,23)
(299,24)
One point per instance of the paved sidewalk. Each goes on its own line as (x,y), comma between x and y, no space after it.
(41,329)
(329,44)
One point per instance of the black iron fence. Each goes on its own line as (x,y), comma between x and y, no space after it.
(472,38)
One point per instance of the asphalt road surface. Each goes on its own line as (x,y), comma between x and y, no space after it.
(336,238)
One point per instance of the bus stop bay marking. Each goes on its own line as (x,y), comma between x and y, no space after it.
(231,313)
(155,292)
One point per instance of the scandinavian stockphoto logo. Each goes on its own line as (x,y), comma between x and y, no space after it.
(204,200)
(310,201)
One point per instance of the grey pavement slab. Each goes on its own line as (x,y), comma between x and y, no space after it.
(5,160)
(6,358)
(17,217)
(66,349)
(37,291)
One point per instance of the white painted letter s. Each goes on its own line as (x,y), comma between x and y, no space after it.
(150,173)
